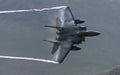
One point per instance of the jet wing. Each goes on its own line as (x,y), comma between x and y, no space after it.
(62,51)
(67,17)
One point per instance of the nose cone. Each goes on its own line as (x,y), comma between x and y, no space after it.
(92,33)
(89,33)
(97,33)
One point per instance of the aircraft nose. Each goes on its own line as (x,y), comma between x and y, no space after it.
(89,33)
(96,33)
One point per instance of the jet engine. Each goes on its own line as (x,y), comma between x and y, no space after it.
(75,48)
(61,31)
(83,38)
(82,28)
(77,21)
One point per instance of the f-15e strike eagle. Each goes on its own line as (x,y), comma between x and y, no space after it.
(69,35)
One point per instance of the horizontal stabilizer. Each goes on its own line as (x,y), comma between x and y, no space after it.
(57,27)
(52,41)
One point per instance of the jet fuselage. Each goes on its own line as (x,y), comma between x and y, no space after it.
(76,33)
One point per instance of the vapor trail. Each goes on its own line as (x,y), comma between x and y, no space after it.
(28,10)
(27,58)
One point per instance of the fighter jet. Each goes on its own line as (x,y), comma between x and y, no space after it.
(69,35)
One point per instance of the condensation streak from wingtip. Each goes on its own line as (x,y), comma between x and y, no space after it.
(30,10)
(30,59)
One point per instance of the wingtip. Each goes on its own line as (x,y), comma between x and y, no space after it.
(58,63)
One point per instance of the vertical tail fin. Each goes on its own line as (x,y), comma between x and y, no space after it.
(55,45)
(57,26)
(58,22)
